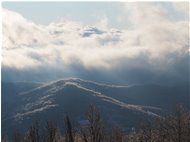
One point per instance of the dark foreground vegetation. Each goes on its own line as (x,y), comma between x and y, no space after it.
(171,128)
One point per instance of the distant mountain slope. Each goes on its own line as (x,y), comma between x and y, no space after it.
(126,106)
(43,95)
(10,95)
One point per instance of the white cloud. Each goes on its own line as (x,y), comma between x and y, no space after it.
(103,22)
(28,45)
(143,14)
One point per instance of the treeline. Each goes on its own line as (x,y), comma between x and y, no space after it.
(171,128)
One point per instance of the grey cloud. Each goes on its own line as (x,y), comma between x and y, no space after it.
(156,48)
(88,31)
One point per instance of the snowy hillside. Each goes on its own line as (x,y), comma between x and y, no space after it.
(122,105)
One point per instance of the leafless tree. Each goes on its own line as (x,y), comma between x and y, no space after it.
(96,127)
(84,134)
(18,136)
(4,139)
(116,135)
(69,131)
(174,127)
(51,132)
(33,133)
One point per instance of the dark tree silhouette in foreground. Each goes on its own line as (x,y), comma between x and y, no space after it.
(69,131)
(170,128)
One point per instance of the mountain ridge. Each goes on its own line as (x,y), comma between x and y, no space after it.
(125,105)
(75,82)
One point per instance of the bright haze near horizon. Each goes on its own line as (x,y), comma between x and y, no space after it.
(118,43)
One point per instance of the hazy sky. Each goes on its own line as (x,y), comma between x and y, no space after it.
(84,12)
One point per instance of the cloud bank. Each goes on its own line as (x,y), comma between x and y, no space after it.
(154,45)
